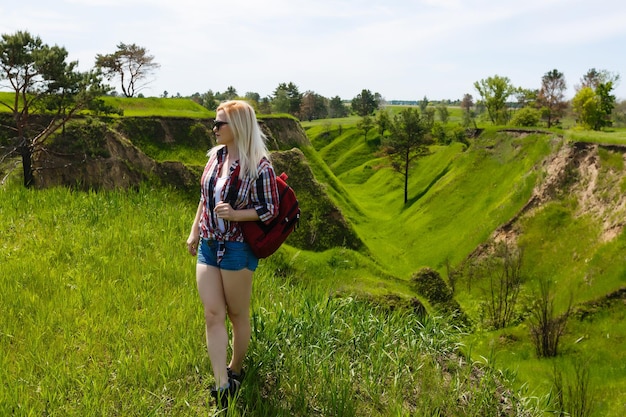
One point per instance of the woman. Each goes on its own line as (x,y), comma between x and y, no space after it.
(225,262)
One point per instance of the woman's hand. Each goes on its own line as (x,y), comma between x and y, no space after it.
(192,242)
(224,211)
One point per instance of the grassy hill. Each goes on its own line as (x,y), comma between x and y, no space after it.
(110,322)
(458,197)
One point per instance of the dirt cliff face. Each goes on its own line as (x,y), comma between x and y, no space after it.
(284,133)
(592,174)
(110,156)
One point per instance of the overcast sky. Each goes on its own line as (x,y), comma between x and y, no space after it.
(402,49)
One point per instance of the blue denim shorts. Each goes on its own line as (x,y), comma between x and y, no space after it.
(237,255)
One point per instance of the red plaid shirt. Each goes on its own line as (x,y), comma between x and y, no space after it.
(260,194)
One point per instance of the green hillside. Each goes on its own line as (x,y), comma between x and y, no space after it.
(457,198)
(453,205)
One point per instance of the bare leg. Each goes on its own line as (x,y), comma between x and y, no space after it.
(237,291)
(209,281)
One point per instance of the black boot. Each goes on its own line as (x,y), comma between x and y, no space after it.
(224,396)
(239,377)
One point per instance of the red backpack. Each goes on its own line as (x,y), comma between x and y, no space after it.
(265,239)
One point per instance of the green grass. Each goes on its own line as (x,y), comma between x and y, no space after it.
(100,316)
(433,227)
(163,107)
(613,136)
(457,198)
(592,342)
(143,107)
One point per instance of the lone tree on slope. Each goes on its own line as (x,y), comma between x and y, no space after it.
(131,64)
(409,140)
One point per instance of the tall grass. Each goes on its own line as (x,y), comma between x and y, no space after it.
(99,316)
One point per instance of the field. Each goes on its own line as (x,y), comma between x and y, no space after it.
(99,315)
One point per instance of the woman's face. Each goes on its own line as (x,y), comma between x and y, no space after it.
(223,132)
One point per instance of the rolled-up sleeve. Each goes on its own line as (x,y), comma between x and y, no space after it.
(264,195)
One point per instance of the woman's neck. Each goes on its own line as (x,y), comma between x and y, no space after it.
(231,154)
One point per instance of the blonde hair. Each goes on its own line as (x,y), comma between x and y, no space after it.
(249,138)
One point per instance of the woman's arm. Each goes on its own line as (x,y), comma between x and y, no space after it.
(194,234)
(227,212)
(264,194)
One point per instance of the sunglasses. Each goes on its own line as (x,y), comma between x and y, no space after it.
(218,124)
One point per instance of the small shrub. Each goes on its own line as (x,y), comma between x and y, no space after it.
(502,272)
(574,399)
(526,117)
(429,283)
(82,138)
(546,328)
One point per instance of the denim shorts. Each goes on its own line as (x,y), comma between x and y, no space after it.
(237,255)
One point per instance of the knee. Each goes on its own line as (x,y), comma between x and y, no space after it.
(214,317)
(239,317)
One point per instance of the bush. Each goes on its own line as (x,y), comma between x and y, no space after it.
(502,274)
(428,283)
(526,117)
(546,327)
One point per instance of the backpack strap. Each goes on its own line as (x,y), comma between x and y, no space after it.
(233,189)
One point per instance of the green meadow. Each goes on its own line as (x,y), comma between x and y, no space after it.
(100,316)
(99,313)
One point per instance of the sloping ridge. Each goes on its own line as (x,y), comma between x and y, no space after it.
(575,169)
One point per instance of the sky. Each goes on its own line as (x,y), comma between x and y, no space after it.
(401,49)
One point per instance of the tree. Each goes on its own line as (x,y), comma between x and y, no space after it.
(467,103)
(494,92)
(313,106)
(365,124)
(551,96)
(468,114)
(409,140)
(606,104)
(366,103)
(287,99)
(585,107)
(337,108)
(230,93)
(424,104)
(209,100)
(131,64)
(253,98)
(428,117)
(265,105)
(443,113)
(383,120)
(594,77)
(525,97)
(280,100)
(593,108)
(45,85)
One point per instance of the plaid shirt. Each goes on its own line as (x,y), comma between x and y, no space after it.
(261,194)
